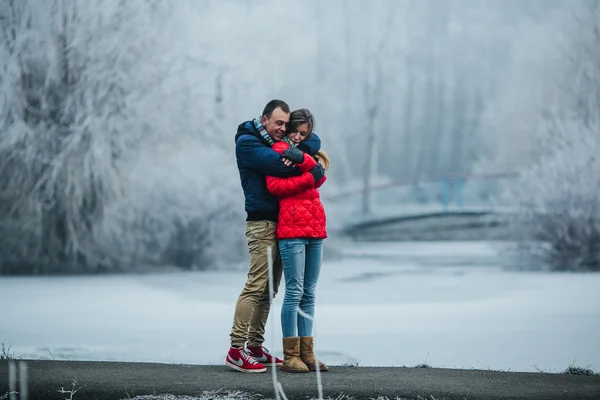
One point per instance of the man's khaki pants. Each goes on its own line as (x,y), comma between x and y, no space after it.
(253,305)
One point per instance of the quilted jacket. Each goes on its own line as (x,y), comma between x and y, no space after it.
(301,213)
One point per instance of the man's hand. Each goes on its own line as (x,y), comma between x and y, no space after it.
(293,155)
(318,172)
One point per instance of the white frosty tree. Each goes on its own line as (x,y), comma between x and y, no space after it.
(73,107)
(557,225)
(376,75)
(83,87)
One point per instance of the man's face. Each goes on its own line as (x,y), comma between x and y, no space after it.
(275,125)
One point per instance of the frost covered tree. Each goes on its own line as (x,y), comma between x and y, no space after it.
(83,89)
(73,107)
(376,72)
(557,224)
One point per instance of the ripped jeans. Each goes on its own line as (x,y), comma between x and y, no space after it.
(301,259)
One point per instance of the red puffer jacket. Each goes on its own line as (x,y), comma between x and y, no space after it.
(301,213)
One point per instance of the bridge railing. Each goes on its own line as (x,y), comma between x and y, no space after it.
(451,191)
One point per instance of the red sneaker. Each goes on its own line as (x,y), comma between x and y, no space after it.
(240,360)
(262,355)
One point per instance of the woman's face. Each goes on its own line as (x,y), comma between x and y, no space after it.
(299,134)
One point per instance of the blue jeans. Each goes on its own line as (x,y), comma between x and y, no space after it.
(301,259)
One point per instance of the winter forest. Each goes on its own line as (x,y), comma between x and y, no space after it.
(117,118)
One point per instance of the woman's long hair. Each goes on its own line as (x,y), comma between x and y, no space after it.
(304,116)
(323,158)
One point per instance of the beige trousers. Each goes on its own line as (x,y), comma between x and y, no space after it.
(253,305)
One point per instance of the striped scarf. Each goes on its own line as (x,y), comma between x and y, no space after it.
(265,135)
(263,132)
(289,141)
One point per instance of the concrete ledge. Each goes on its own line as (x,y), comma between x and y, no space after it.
(119,380)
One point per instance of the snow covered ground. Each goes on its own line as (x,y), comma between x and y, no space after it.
(444,304)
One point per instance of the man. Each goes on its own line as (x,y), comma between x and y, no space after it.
(255,160)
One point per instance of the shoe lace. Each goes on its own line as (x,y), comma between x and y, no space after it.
(248,358)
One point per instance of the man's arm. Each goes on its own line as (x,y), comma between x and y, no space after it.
(311,145)
(254,155)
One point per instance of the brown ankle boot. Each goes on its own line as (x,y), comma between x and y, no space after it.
(308,356)
(291,355)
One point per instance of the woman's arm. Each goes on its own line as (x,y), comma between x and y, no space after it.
(286,187)
(291,186)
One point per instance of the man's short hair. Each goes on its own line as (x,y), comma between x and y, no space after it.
(272,105)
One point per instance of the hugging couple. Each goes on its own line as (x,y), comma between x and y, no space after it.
(281,167)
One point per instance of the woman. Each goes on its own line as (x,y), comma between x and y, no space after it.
(300,233)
